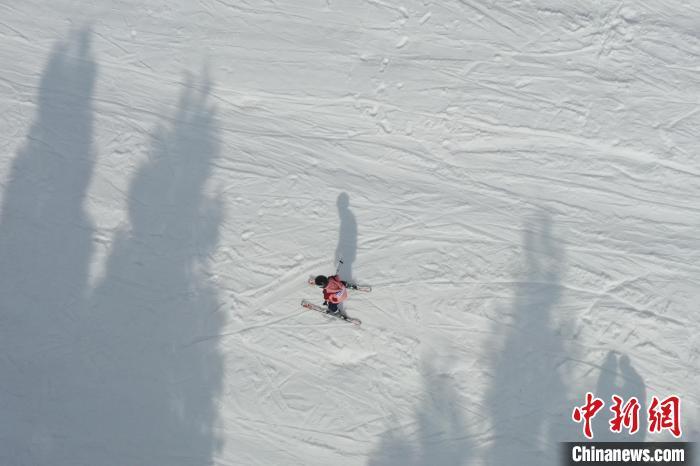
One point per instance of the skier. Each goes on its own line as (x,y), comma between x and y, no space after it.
(335,291)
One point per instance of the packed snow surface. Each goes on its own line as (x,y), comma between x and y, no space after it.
(518,180)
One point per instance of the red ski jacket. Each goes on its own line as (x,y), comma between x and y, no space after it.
(335,291)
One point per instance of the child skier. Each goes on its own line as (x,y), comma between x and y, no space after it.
(335,291)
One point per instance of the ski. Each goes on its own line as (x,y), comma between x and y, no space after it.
(351,286)
(315,307)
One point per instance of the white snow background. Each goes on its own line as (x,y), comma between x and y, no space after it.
(518,180)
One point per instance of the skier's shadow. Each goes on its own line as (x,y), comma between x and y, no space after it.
(347,238)
(618,377)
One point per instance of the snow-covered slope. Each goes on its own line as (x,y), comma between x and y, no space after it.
(518,181)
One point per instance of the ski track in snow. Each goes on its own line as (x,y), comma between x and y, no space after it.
(518,181)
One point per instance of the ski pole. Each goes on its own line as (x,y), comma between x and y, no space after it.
(340,262)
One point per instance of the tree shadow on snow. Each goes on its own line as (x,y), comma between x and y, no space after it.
(439,434)
(154,396)
(45,251)
(347,238)
(527,400)
(103,378)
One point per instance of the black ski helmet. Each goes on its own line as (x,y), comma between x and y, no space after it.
(321,280)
